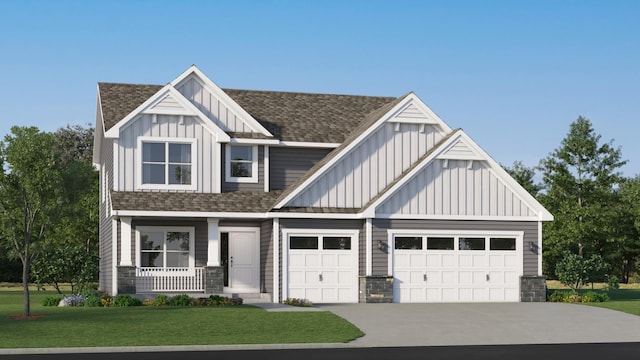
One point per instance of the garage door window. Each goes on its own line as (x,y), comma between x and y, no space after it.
(440,243)
(469,243)
(303,242)
(508,244)
(336,243)
(408,243)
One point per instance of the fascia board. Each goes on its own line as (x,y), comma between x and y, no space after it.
(224,98)
(292,215)
(384,118)
(188,214)
(412,98)
(99,130)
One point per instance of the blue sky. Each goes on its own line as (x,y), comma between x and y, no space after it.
(512,74)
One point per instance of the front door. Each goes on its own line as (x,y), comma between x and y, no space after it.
(241,259)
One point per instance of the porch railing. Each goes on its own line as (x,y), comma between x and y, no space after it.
(169,279)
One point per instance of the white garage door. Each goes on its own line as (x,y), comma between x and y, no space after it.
(469,267)
(322,268)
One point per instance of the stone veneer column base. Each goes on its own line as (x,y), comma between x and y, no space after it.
(533,289)
(376,289)
(213,279)
(126,279)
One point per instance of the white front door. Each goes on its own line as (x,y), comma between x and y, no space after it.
(242,259)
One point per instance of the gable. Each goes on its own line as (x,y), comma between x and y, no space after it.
(379,154)
(457,180)
(218,106)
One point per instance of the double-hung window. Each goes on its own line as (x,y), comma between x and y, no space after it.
(167,163)
(241,163)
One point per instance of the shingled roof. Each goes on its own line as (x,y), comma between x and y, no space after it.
(289,116)
(239,201)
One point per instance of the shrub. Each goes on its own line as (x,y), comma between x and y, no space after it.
(298,302)
(180,300)
(106,300)
(593,296)
(126,300)
(558,296)
(148,302)
(573,298)
(198,301)
(51,300)
(217,300)
(161,300)
(93,301)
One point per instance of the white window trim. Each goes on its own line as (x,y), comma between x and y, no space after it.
(194,164)
(254,165)
(287,233)
(192,239)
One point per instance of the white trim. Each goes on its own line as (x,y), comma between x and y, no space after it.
(194,214)
(354,234)
(254,166)
(248,141)
(125,235)
(539,248)
(275,237)
(116,173)
(308,144)
(217,170)
(190,110)
(192,239)
(167,140)
(410,98)
(456,217)
(368,240)
(114,255)
(213,242)
(294,215)
(265,165)
(216,91)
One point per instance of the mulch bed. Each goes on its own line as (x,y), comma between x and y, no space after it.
(22,317)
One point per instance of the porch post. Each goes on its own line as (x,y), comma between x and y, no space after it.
(125,259)
(213,249)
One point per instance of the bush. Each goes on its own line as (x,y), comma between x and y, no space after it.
(161,300)
(297,302)
(106,300)
(558,296)
(180,300)
(72,300)
(126,300)
(93,301)
(51,300)
(217,300)
(593,296)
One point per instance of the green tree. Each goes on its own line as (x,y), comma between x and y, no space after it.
(574,270)
(30,194)
(65,264)
(524,176)
(623,249)
(579,179)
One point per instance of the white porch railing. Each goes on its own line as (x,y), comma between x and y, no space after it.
(169,279)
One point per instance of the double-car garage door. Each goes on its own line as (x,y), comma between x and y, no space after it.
(456,267)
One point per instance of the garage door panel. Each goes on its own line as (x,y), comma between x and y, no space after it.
(449,260)
(511,261)
(434,277)
(312,260)
(346,278)
(433,260)
(417,260)
(449,277)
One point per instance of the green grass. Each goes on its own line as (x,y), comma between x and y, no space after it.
(149,326)
(625,299)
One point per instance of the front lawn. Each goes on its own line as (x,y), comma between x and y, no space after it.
(625,299)
(149,326)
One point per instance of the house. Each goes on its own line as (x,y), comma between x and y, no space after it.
(330,198)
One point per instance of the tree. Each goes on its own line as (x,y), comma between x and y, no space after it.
(68,264)
(30,194)
(524,176)
(579,179)
(623,249)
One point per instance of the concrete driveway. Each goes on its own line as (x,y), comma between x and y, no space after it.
(486,324)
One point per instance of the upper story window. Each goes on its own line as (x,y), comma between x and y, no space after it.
(167,163)
(241,163)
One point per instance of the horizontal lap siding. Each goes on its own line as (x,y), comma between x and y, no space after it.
(105,225)
(266,257)
(288,164)
(380,227)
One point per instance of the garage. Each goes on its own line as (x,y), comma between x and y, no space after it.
(449,266)
(322,266)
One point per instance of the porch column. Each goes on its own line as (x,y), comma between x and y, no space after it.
(213,252)
(125,223)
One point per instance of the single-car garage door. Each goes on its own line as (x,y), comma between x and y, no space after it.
(322,267)
(456,267)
